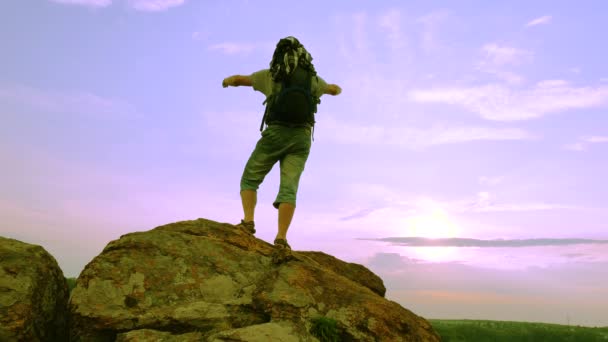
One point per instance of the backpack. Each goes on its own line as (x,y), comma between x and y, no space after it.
(291,102)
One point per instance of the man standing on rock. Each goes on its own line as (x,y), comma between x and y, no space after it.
(292,90)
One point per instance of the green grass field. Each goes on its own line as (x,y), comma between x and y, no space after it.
(498,331)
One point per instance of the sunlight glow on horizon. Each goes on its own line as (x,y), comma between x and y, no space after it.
(434,223)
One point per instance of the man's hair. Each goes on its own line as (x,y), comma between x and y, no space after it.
(288,55)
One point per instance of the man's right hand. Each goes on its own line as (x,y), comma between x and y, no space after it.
(333,89)
(228,81)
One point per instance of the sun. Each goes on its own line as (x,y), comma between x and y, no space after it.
(434,223)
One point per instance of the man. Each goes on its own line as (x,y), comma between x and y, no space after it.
(281,141)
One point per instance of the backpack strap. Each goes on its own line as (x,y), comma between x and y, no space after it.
(268,100)
(265,113)
(310,99)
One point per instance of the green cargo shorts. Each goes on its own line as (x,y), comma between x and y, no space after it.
(291,147)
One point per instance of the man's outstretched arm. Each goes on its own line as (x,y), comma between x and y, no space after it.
(237,80)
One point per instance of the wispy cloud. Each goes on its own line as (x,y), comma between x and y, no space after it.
(596,139)
(574,255)
(154,5)
(490,180)
(230,48)
(73,102)
(584,142)
(88,3)
(575,146)
(486,202)
(500,103)
(502,55)
(510,77)
(200,35)
(359,214)
(353,43)
(350,132)
(495,58)
(417,138)
(484,206)
(430,25)
(390,22)
(387,206)
(466,242)
(140,5)
(539,21)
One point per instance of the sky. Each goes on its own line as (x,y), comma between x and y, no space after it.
(479,125)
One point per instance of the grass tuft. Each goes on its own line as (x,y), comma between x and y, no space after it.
(325,329)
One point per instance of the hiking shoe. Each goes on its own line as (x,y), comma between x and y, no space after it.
(282,243)
(247,226)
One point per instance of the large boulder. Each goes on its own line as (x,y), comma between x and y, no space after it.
(33,294)
(202,280)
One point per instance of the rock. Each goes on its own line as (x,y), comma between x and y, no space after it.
(155,335)
(202,280)
(33,294)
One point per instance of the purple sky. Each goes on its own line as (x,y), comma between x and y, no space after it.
(480,121)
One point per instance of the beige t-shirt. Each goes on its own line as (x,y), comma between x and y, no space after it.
(262,81)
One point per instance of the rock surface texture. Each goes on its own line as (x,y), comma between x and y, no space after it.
(202,280)
(33,294)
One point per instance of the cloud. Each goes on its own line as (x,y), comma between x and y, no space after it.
(140,5)
(507,76)
(575,147)
(230,48)
(430,23)
(358,48)
(574,255)
(539,21)
(198,35)
(584,142)
(499,103)
(387,207)
(417,138)
(503,55)
(353,43)
(359,214)
(596,139)
(88,3)
(496,57)
(484,205)
(390,22)
(466,242)
(490,180)
(154,5)
(73,102)
(359,32)
(485,202)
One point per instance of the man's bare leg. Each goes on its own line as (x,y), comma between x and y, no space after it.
(286,211)
(249,199)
